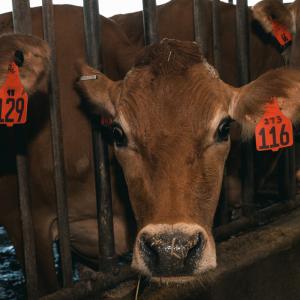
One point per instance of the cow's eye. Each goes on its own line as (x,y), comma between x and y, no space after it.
(118,135)
(223,130)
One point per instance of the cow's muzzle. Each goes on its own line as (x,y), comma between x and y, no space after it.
(171,250)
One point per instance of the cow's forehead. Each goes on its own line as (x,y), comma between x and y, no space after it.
(192,103)
(197,92)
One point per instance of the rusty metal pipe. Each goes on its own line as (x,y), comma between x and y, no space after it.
(151,34)
(100,148)
(22,24)
(201,20)
(216,34)
(57,148)
(242,29)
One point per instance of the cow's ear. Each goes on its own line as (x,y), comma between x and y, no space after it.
(31,54)
(267,11)
(101,93)
(248,102)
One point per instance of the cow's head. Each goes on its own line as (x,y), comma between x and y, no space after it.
(171,117)
(281,20)
(32,53)
(267,11)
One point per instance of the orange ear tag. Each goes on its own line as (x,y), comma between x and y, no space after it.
(281,34)
(13,99)
(274,131)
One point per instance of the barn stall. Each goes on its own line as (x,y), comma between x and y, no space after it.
(257,207)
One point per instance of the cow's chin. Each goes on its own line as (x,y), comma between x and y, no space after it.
(177,280)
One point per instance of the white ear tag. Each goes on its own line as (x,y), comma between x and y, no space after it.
(88,77)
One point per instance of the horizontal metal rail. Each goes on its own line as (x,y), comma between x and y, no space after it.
(258,218)
(93,284)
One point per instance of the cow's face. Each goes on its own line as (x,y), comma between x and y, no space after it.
(172,142)
(171,118)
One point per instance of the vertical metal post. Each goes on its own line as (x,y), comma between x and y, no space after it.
(22,16)
(150,22)
(200,25)
(242,26)
(100,149)
(216,34)
(22,24)
(57,148)
(292,172)
(294,63)
(284,176)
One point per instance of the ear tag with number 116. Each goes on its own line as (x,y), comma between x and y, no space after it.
(13,99)
(274,130)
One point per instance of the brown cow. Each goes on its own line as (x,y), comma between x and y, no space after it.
(77,152)
(171,118)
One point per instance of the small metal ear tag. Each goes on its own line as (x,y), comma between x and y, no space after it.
(88,77)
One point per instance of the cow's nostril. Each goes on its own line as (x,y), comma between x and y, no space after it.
(196,246)
(150,253)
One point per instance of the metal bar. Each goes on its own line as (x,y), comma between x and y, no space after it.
(94,284)
(294,63)
(283,176)
(200,23)
(223,217)
(242,26)
(22,24)
(22,16)
(100,149)
(292,172)
(57,148)
(259,218)
(151,34)
(216,34)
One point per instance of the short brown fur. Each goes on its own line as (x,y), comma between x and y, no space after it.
(170,57)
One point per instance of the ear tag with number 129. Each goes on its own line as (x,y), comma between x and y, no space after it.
(274,130)
(13,99)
